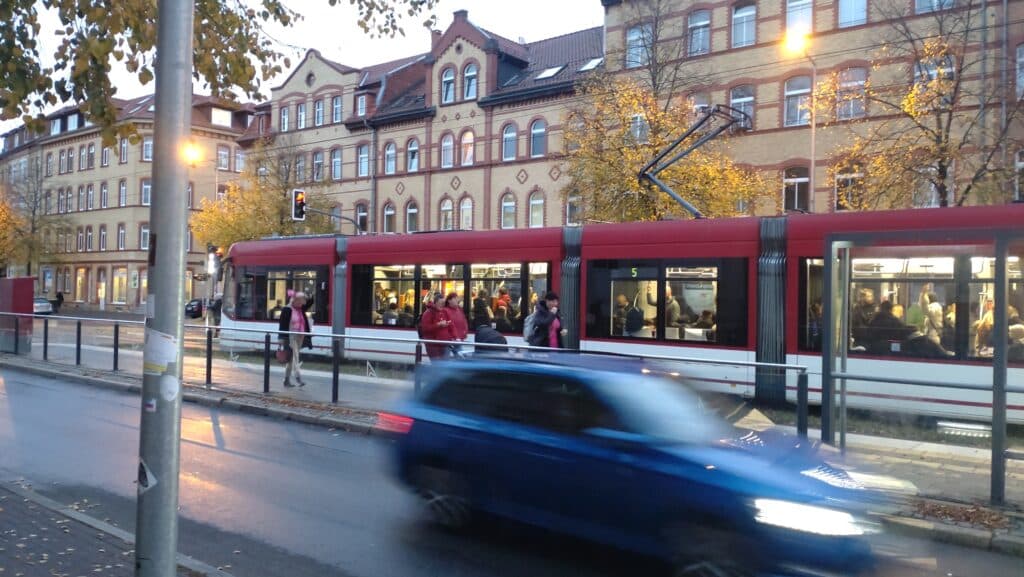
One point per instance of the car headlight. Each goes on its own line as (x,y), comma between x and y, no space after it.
(807,518)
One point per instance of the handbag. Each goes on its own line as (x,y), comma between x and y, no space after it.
(284,355)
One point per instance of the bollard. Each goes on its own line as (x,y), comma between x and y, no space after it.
(78,342)
(117,343)
(335,365)
(415,368)
(266,363)
(46,339)
(801,404)
(209,357)
(17,334)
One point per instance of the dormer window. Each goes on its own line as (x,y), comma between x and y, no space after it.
(469,82)
(447,86)
(361,105)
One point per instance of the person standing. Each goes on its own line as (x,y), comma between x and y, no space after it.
(435,325)
(460,327)
(60,301)
(295,319)
(547,324)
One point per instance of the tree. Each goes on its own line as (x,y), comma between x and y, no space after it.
(617,129)
(35,220)
(260,204)
(923,127)
(231,50)
(9,223)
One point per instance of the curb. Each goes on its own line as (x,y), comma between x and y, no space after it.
(190,563)
(963,536)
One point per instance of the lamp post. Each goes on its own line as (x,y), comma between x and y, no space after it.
(798,43)
(194,155)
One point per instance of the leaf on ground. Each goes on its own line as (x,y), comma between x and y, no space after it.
(973,514)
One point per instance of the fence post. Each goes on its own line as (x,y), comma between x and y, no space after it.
(117,343)
(209,357)
(335,365)
(266,363)
(17,334)
(415,368)
(801,404)
(46,339)
(78,342)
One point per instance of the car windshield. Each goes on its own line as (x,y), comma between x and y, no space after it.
(660,408)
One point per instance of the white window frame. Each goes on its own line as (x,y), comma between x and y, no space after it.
(800,16)
(122,234)
(448,86)
(852,13)
(508,211)
(847,177)
(147,149)
(744,25)
(318,112)
(572,211)
(239,160)
(88,239)
(796,181)
(146,191)
(412,156)
(104,195)
(318,166)
(509,143)
(802,97)
(105,156)
(412,215)
(361,105)
(122,154)
(336,164)
(362,217)
(698,25)
(469,82)
(1020,71)
(849,108)
(639,129)
(390,158)
(447,211)
(103,238)
(447,151)
(122,192)
(144,237)
(536,209)
(743,102)
(223,157)
(388,225)
(90,197)
(300,116)
(926,6)
(638,45)
(466,214)
(467,148)
(538,134)
(283,123)
(336,109)
(363,160)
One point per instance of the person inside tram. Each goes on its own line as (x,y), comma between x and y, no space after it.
(391,315)
(933,317)
(706,320)
(677,313)
(405,317)
(275,313)
(502,322)
(481,311)
(861,315)
(885,329)
(380,298)
(619,316)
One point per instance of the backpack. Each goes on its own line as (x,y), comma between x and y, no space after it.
(529,326)
(634,320)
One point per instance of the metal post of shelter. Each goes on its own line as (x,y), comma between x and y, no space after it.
(999,365)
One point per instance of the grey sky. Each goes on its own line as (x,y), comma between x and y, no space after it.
(334,33)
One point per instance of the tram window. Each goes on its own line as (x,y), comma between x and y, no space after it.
(539,284)
(394,296)
(811,325)
(495,292)
(261,292)
(696,301)
(982,312)
(441,278)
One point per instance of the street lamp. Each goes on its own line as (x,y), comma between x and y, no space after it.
(797,42)
(192,154)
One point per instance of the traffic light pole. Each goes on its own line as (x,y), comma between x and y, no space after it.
(156,527)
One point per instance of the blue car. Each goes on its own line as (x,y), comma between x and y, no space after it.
(608,450)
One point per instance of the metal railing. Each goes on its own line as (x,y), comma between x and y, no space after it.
(336,353)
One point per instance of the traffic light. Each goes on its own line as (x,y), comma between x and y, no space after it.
(298,204)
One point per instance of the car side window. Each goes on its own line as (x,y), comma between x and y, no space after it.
(462,394)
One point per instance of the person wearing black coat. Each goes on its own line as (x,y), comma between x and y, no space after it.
(489,336)
(295,343)
(547,325)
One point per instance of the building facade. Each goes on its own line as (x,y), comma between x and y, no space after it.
(90,203)
(732,53)
(467,135)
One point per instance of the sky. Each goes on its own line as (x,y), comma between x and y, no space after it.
(333,31)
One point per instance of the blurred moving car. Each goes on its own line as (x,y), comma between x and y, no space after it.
(588,445)
(194,309)
(42,306)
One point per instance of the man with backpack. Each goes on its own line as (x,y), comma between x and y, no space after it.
(543,328)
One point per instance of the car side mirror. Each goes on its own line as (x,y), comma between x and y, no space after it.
(616,438)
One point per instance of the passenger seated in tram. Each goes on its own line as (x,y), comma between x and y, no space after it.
(860,317)
(391,315)
(406,318)
(886,330)
(502,322)
(706,320)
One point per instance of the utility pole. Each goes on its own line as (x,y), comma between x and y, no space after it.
(156,527)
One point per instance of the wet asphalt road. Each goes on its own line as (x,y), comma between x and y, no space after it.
(263,497)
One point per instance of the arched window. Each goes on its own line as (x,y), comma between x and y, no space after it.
(448,86)
(88,238)
(538,138)
(103,237)
(412,155)
(389,217)
(466,148)
(104,195)
(508,211)
(90,197)
(466,214)
(447,151)
(122,193)
(509,143)
(537,209)
(798,96)
(390,158)
(742,99)
(447,208)
(335,164)
(412,217)
(795,188)
(361,217)
(469,82)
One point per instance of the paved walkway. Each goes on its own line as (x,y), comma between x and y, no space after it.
(40,537)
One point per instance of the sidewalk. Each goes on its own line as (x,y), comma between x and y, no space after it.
(39,536)
(950,482)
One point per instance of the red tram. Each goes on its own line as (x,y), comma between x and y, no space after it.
(746,289)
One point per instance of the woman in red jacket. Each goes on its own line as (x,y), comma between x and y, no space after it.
(436,325)
(460,327)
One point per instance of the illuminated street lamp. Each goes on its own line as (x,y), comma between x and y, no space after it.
(796,43)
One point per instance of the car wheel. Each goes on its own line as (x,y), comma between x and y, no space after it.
(445,495)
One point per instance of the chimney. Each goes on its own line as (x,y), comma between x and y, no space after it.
(461,15)
(435,38)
